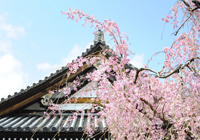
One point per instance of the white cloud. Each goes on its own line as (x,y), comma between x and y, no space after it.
(12,78)
(10,30)
(75,51)
(5,46)
(46,66)
(2,16)
(138,61)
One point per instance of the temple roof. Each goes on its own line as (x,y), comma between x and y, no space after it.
(28,94)
(60,127)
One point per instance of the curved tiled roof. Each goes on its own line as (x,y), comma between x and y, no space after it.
(66,123)
(35,127)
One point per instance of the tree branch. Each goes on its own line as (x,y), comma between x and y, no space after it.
(154,110)
(190,9)
(182,25)
(177,70)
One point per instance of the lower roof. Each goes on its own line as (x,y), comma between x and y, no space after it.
(66,126)
(65,123)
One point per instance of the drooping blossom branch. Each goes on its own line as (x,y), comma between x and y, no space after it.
(135,104)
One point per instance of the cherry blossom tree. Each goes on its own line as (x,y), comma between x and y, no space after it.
(137,104)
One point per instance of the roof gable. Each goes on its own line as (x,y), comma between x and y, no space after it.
(32,93)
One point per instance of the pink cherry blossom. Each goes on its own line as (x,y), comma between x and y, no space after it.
(148,108)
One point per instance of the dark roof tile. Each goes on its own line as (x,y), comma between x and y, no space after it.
(28,123)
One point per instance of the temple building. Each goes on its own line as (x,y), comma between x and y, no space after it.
(22,114)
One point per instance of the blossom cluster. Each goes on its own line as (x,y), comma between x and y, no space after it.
(150,108)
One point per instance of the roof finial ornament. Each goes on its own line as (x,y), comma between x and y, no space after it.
(99,37)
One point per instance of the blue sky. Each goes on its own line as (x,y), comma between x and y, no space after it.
(35,39)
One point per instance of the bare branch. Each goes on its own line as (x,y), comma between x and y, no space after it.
(182,25)
(190,9)
(176,70)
